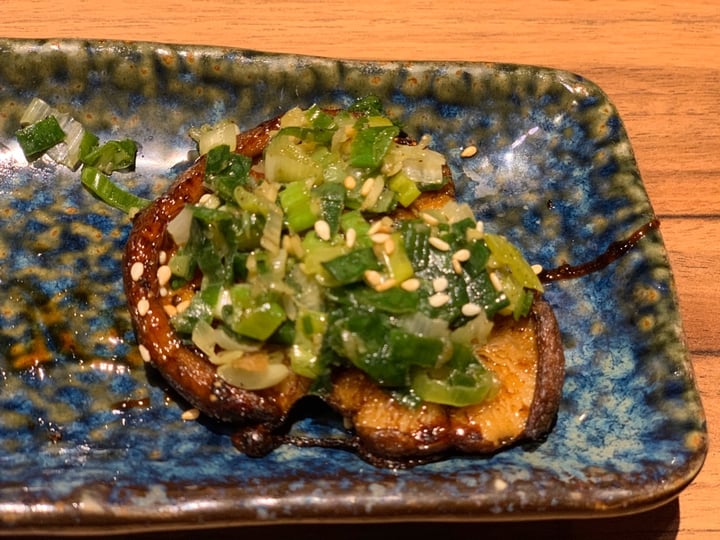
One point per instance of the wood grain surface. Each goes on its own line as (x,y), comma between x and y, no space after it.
(659,62)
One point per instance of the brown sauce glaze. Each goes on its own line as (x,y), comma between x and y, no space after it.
(614,251)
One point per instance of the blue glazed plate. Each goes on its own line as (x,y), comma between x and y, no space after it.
(90,439)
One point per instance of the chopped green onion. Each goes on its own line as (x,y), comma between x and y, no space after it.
(368,105)
(406,190)
(461,382)
(112,156)
(259,322)
(39,137)
(350,267)
(310,327)
(297,203)
(370,145)
(107,191)
(208,137)
(36,110)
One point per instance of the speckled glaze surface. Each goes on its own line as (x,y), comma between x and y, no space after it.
(90,438)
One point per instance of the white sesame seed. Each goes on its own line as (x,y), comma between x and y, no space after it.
(373,277)
(164,274)
(144,353)
(389,246)
(470,309)
(182,306)
(136,270)
(190,414)
(383,225)
(209,200)
(350,182)
(367,187)
(429,219)
(143,306)
(461,255)
(480,227)
(495,280)
(440,284)
(375,227)
(379,238)
(350,237)
(537,268)
(322,229)
(386,284)
(500,485)
(439,243)
(170,310)
(438,299)
(162,257)
(468,151)
(457,266)
(410,284)
(163,291)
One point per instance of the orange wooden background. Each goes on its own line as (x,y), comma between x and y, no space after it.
(658,61)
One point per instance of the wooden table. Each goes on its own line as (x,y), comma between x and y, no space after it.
(660,65)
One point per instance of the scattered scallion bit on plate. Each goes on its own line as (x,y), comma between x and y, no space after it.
(47,131)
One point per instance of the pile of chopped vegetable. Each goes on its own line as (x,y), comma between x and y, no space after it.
(298,256)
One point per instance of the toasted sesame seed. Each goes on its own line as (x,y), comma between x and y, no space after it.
(367,187)
(457,266)
(144,353)
(429,219)
(389,246)
(537,268)
(495,280)
(182,306)
(191,414)
(470,309)
(143,306)
(373,277)
(438,299)
(379,238)
(461,255)
(385,284)
(350,237)
(170,310)
(350,182)
(136,270)
(164,274)
(322,229)
(209,200)
(375,227)
(468,151)
(439,243)
(383,225)
(411,284)
(440,284)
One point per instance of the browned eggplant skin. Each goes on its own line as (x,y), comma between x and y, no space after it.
(184,368)
(403,433)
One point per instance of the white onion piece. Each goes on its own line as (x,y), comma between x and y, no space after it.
(179,226)
(252,380)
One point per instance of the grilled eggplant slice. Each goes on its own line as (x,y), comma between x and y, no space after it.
(526,356)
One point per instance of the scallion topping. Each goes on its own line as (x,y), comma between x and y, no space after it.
(63,139)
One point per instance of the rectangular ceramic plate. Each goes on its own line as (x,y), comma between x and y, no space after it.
(89,438)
